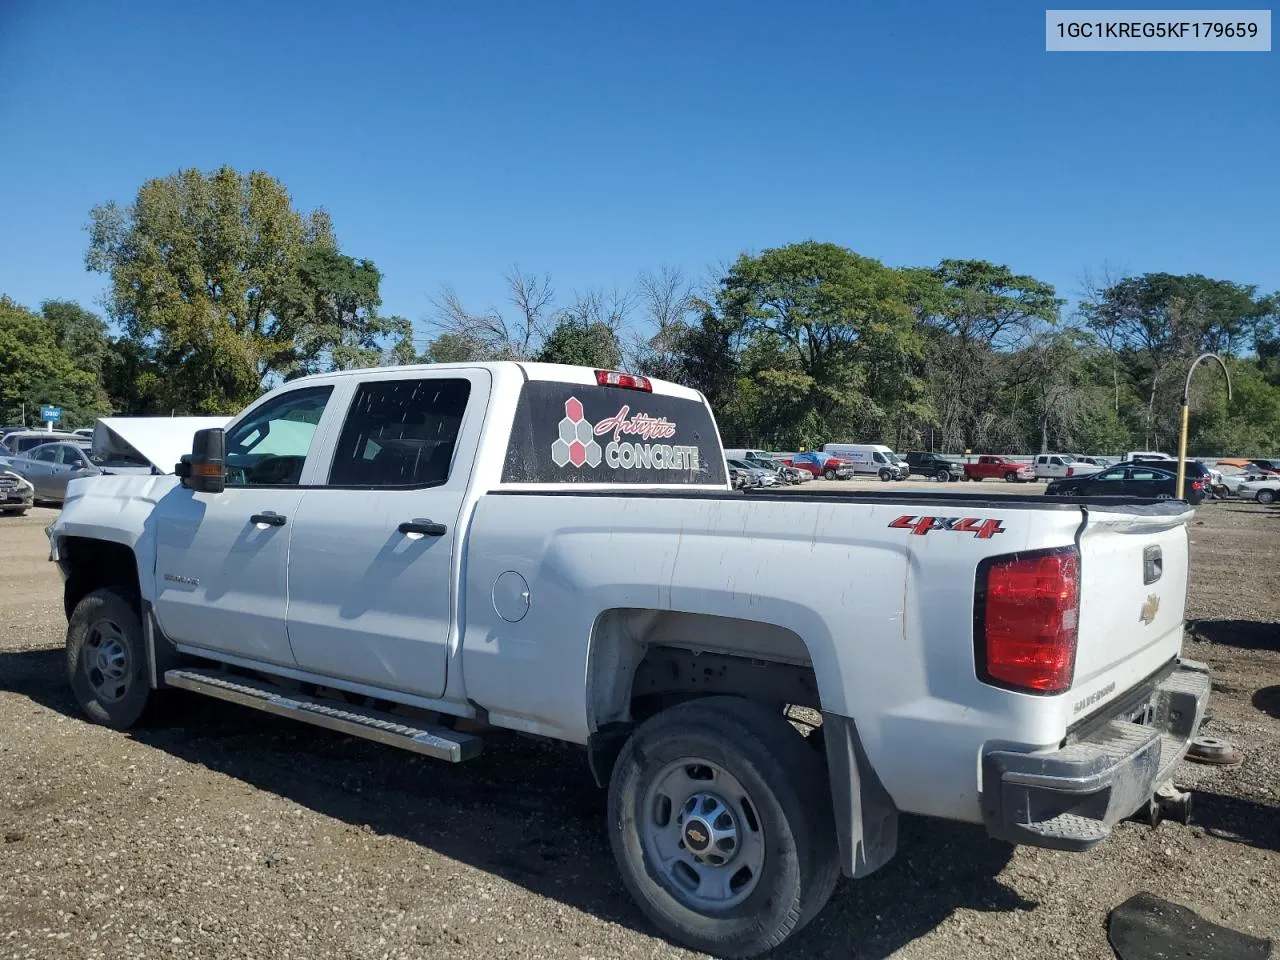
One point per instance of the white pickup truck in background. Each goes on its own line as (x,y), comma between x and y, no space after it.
(416,554)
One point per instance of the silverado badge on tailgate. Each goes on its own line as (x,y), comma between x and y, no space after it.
(1150,608)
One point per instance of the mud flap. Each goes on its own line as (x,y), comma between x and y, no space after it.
(866,816)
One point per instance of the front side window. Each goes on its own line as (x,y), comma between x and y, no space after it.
(400,433)
(45,454)
(1111,475)
(269,447)
(878,457)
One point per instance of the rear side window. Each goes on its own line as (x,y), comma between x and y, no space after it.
(400,433)
(574,433)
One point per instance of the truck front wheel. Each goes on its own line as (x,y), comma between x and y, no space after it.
(107,658)
(721,825)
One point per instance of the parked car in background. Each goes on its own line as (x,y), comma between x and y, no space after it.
(941,468)
(823,465)
(786,474)
(1055,466)
(1127,480)
(1243,463)
(16,493)
(742,454)
(86,432)
(872,459)
(1098,462)
(20,441)
(999,468)
(1265,490)
(760,477)
(51,466)
(1232,477)
(1147,455)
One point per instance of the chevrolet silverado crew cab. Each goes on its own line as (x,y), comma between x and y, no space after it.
(417,554)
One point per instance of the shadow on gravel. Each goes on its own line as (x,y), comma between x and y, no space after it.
(1237,818)
(1268,700)
(526,810)
(1247,634)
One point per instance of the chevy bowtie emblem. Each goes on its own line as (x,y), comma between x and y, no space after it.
(1150,608)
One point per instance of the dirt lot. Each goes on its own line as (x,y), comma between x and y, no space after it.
(230,834)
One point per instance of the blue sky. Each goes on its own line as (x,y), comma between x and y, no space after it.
(592,140)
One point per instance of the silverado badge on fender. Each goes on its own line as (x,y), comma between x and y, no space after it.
(981,528)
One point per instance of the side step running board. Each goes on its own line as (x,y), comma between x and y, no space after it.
(433,741)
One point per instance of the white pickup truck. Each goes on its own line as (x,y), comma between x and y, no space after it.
(416,554)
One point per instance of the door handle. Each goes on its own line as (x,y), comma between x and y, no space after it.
(270,518)
(426,527)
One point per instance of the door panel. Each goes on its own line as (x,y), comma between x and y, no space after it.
(368,602)
(221,577)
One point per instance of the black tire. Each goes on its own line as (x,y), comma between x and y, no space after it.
(790,803)
(885,476)
(942,475)
(1011,477)
(105,619)
(21,512)
(1266,496)
(830,474)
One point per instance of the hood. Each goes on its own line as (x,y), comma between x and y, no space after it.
(159,441)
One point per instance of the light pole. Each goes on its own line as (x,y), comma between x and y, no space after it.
(1186,407)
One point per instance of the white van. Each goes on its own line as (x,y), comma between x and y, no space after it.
(1052,466)
(874,459)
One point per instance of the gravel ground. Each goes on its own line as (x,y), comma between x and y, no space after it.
(227,833)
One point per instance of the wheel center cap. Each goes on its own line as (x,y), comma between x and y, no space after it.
(697,835)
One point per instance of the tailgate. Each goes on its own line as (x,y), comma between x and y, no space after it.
(1133,592)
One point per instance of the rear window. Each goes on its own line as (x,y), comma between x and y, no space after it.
(573,433)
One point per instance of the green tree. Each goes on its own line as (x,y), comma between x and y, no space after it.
(584,344)
(345,330)
(80,333)
(35,370)
(974,312)
(1158,322)
(221,281)
(833,338)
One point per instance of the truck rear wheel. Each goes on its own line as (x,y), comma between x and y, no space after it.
(107,658)
(943,475)
(721,825)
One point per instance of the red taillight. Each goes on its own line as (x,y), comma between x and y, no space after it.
(628,381)
(1025,619)
(1071,471)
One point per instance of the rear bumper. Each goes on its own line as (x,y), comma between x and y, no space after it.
(1070,798)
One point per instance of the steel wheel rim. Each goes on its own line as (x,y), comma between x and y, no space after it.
(106,661)
(702,835)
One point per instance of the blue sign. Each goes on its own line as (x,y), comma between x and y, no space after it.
(50,414)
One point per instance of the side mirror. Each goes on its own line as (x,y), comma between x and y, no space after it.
(204,468)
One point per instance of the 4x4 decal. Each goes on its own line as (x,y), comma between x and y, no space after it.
(980,527)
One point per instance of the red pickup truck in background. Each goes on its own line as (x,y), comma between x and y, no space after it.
(999,468)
